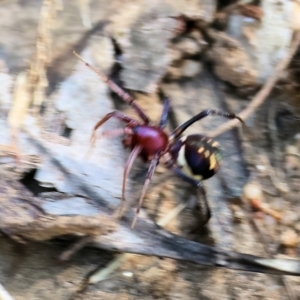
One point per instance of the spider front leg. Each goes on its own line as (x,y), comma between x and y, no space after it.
(181,128)
(202,199)
(118,90)
(115,114)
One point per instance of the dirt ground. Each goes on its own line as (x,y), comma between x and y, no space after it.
(32,270)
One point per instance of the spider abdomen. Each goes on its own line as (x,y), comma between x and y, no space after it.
(198,156)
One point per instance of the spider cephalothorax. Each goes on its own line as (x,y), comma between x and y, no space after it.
(193,157)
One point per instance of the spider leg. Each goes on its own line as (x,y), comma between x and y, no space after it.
(181,128)
(116,132)
(150,173)
(118,90)
(164,116)
(133,155)
(204,206)
(115,114)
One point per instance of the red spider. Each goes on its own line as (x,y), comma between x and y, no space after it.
(194,157)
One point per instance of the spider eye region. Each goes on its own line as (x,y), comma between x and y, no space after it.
(198,156)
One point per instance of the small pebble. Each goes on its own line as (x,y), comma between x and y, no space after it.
(220,21)
(253,191)
(260,167)
(297,226)
(291,162)
(196,35)
(297,138)
(188,46)
(173,73)
(175,55)
(289,238)
(290,218)
(190,68)
(127,274)
(160,169)
(238,214)
(290,149)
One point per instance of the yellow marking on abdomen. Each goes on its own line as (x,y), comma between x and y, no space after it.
(186,170)
(201,150)
(212,162)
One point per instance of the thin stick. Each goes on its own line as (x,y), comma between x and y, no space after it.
(172,214)
(102,274)
(74,248)
(261,96)
(118,90)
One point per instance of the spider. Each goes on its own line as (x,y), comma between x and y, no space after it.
(194,157)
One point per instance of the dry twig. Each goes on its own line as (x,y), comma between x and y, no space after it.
(37,73)
(265,90)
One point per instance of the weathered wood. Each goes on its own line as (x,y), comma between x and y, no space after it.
(148,239)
